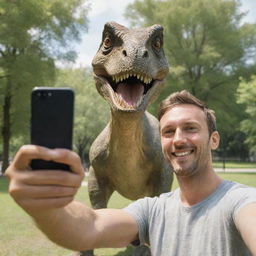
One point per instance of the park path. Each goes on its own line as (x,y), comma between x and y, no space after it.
(234,170)
(243,170)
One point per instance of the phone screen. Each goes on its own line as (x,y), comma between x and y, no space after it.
(51,122)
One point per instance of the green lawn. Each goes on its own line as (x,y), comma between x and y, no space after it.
(20,237)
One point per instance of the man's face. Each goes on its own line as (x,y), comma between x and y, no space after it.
(185,139)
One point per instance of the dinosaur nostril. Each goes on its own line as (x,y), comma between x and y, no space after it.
(145,55)
(124,53)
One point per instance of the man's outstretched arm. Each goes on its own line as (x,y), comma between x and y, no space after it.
(48,196)
(246,224)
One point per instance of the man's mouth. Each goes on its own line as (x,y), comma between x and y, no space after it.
(183,153)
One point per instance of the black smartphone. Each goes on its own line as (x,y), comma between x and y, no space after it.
(52,111)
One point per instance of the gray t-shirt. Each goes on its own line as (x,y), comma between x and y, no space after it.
(205,229)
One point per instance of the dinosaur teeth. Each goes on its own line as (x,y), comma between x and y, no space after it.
(144,78)
(139,101)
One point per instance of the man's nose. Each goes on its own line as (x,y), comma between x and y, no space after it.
(179,137)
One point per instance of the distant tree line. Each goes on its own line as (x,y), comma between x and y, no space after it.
(210,49)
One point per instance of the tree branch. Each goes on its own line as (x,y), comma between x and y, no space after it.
(4,76)
(2,53)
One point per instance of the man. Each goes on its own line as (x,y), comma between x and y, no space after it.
(205,216)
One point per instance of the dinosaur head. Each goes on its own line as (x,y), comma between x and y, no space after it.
(130,66)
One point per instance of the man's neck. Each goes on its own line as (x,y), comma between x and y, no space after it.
(198,187)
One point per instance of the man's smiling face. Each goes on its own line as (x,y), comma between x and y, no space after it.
(185,139)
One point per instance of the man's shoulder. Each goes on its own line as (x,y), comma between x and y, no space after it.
(237,195)
(167,194)
(239,188)
(162,198)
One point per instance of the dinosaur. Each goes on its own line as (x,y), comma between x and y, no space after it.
(129,69)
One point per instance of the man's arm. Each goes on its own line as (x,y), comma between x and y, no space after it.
(246,224)
(48,196)
(80,228)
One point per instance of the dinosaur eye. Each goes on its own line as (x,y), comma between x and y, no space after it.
(107,42)
(157,44)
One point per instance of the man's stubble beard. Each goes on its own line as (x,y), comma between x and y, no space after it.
(198,165)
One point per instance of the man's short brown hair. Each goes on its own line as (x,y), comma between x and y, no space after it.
(184,97)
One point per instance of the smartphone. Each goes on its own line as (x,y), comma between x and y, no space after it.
(52,111)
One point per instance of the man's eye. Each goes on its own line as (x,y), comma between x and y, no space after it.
(191,128)
(168,132)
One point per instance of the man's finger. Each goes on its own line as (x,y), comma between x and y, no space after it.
(26,153)
(70,158)
(52,178)
(41,192)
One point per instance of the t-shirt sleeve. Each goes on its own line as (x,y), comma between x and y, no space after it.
(139,210)
(244,196)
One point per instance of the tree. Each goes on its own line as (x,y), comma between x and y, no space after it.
(33,35)
(91,111)
(208,49)
(246,94)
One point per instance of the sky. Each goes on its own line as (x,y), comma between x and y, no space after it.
(102,11)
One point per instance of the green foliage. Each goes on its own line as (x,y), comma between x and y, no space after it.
(246,94)
(17,141)
(33,35)
(45,25)
(91,111)
(208,49)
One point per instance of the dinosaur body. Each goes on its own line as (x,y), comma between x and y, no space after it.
(129,70)
(128,164)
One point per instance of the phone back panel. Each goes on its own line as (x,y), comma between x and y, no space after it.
(51,121)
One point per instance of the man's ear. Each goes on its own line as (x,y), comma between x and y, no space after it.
(215,140)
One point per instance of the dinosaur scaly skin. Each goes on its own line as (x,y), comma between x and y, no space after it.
(129,69)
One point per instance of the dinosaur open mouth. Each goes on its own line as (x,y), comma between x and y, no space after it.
(130,88)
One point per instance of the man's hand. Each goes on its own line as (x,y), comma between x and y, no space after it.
(40,191)
(48,197)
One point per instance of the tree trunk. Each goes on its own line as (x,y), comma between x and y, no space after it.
(6,129)
(80,146)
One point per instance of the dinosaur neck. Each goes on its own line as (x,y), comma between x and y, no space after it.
(126,129)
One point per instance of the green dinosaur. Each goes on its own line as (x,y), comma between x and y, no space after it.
(129,69)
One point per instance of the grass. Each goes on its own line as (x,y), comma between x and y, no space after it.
(20,237)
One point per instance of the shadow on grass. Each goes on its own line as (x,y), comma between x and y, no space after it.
(4,184)
(128,252)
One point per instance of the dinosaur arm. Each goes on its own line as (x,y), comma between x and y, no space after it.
(78,227)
